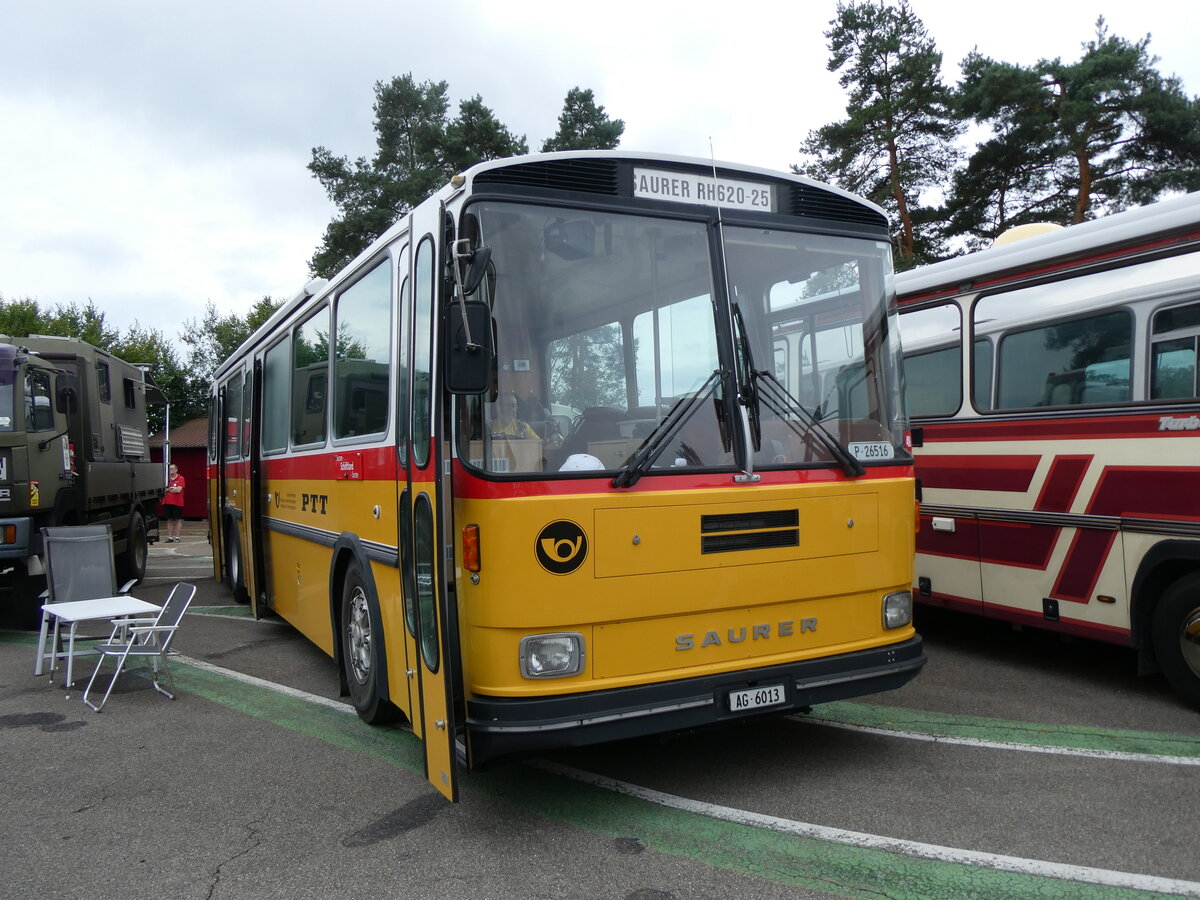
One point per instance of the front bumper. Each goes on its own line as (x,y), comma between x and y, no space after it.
(501,726)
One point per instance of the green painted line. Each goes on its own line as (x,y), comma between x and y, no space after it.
(893,718)
(759,852)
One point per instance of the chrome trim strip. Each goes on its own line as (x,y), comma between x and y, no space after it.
(1131,524)
(385,554)
(594,720)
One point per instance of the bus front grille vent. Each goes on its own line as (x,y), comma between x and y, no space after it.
(770,529)
(593,176)
(820,204)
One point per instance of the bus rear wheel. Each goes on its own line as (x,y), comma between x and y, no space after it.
(361,634)
(233,569)
(1177,636)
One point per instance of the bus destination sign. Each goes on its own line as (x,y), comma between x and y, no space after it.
(704,190)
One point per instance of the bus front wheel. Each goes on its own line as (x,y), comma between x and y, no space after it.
(361,635)
(1177,636)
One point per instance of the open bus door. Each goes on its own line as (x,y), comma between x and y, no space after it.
(216,497)
(434,650)
(256,583)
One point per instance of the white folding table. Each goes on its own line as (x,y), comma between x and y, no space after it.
(76,611)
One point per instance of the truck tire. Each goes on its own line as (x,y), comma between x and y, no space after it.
(1177,636)
(132,563)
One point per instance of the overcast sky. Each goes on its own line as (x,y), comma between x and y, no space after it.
(153,154)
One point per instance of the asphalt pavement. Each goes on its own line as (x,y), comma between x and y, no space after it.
(237,790)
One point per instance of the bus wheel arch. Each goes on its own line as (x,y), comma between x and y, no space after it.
(1161,566)
(358,628)
(1176,636)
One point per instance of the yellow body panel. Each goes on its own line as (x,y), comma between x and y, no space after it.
(645,581)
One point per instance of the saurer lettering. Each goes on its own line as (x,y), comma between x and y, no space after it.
(742,633)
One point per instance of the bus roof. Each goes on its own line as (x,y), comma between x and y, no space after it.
(1170,219)
(319,286)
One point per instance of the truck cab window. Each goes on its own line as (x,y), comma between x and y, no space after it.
(39,409)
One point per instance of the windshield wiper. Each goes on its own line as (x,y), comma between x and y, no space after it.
(658,439)
(786,406)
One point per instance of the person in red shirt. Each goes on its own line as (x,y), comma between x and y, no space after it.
(172,504)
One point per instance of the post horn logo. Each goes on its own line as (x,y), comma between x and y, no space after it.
(561,547)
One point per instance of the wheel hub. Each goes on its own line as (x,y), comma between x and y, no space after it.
(358,630)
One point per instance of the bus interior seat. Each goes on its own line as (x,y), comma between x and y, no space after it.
(595,423)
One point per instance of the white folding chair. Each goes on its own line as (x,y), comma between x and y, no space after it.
(148,639)
(79,566)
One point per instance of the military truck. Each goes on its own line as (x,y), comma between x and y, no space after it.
(73,451)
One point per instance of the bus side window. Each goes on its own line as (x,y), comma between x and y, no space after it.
(932,362)
(1173,353)
(310,367)
(1050,365)
(276,372)
(362,353)
(233,417)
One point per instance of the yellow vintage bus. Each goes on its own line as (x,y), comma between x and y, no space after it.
(586,446)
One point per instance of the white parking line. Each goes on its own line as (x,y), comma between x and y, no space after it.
(995,861)
(1006,745)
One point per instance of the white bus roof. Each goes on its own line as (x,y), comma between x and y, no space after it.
(1083,240)
(321,286)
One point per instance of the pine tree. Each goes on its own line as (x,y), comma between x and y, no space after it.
(584,126)
(418,148)
(897,142)
(1070,140)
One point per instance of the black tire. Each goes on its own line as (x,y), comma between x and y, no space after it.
(132,563)
(360,637)
(234,576)
(1176,635)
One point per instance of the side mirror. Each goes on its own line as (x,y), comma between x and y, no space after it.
(476,269)
(66,393)
(469,348)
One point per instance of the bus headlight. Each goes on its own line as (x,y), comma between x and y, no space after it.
(551,655)
(897,609)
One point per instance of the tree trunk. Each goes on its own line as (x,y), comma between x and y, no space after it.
(1084,201)
(906,241)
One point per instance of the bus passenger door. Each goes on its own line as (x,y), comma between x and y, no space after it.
(216,490)
(434,650)
(255,507)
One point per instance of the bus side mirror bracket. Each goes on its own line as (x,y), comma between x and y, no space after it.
(469,347)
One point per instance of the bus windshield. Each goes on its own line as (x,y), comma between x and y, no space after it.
(609,335)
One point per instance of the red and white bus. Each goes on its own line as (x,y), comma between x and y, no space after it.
(1052,384)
